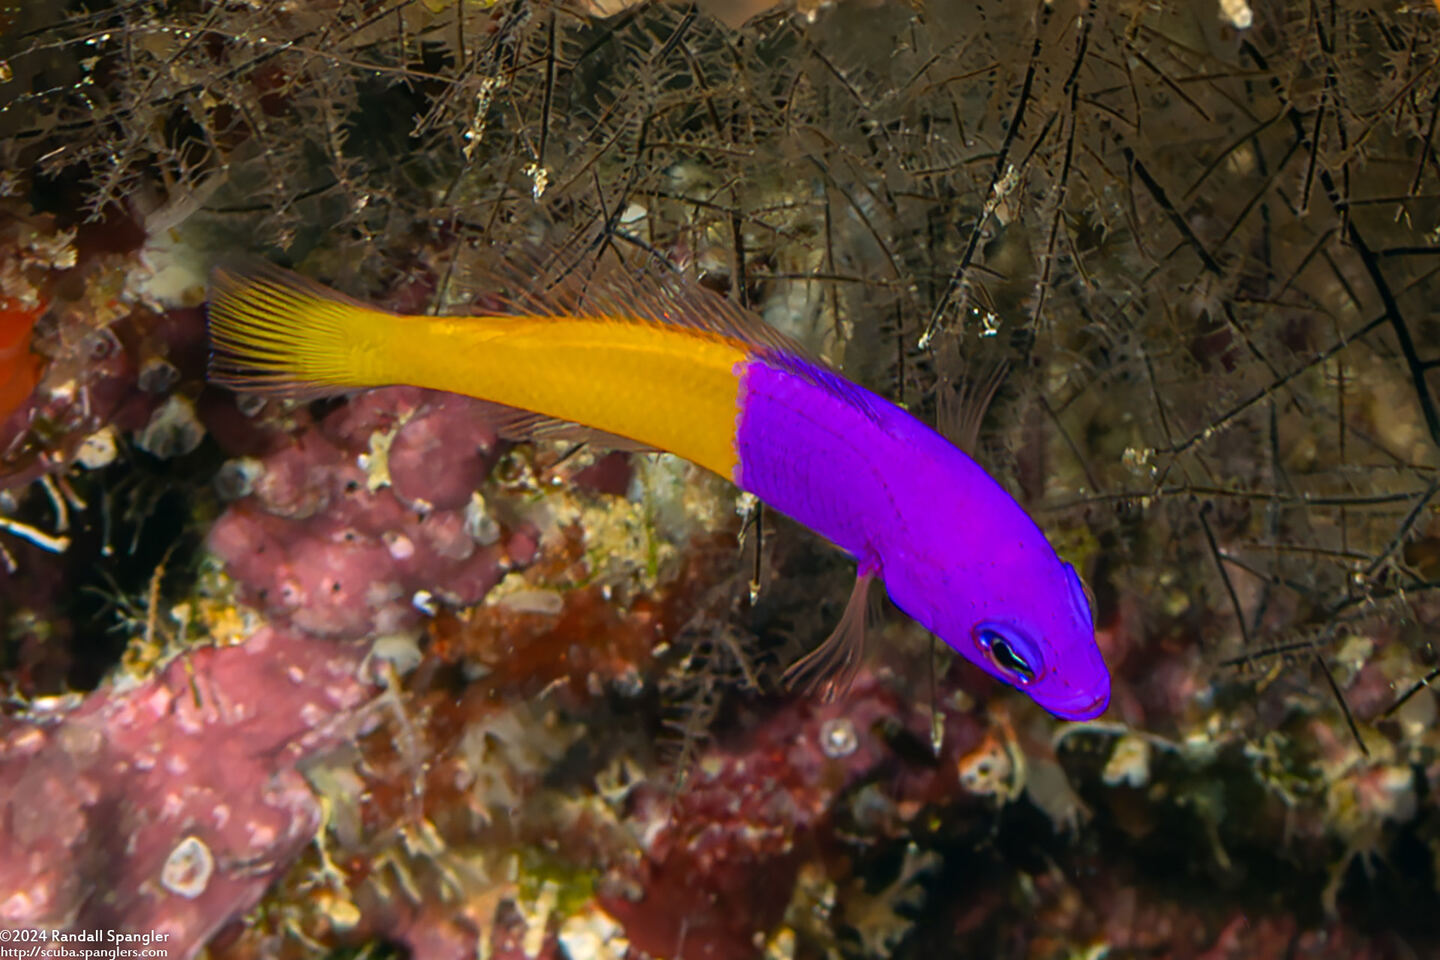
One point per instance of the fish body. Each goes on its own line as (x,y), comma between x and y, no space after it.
(689,373)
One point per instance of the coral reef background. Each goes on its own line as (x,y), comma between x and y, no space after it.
(360,678)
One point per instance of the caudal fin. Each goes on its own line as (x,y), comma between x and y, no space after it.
(275,333)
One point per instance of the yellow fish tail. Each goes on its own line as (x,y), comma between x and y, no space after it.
(279,336)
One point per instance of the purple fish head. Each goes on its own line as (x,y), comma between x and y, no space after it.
(1044,644)
(1024,619)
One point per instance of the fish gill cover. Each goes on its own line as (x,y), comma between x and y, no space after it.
(361,677)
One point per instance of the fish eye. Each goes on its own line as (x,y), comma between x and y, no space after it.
(1006,654)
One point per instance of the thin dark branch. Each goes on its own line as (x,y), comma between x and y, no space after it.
(1224,574)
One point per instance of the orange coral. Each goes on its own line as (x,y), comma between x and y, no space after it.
(19,368)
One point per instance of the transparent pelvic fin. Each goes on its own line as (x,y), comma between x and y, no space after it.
(829,669)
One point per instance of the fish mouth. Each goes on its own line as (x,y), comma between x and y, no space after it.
(1086,707)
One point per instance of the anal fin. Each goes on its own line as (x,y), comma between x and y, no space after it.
(524,426)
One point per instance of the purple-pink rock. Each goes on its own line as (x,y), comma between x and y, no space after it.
(441,454)
(170,807)
(314,544)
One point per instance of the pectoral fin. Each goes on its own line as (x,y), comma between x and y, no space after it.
(961,413)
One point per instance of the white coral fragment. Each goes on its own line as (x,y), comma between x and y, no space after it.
(188,869)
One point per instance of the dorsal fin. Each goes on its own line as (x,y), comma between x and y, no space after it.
(654,291)
(542,284)
(827,379)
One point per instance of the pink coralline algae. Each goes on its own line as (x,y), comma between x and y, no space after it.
(350,525)
(1136,920)
(171,806)
(719,868)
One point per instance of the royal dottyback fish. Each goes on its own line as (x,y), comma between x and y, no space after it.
(669,365)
